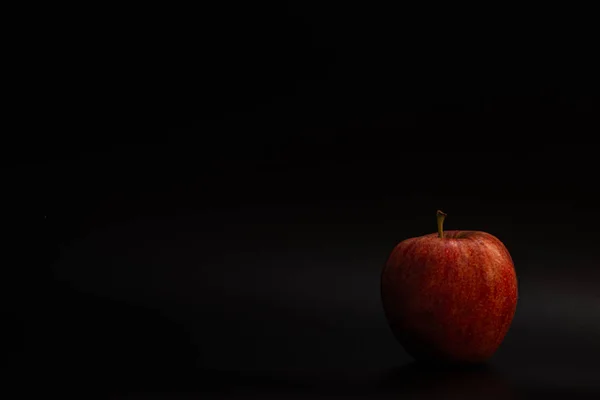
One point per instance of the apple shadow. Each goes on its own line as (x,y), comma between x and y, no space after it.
(447,381)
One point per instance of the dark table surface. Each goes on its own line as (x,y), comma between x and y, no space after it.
(283,301)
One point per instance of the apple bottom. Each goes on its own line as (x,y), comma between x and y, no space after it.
(449,332)
(428,352)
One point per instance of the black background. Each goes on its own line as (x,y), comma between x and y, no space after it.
(200,201)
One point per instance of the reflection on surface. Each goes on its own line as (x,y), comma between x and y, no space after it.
(462,382)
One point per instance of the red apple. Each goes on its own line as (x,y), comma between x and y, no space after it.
(450,296)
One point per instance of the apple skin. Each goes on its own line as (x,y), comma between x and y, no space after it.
(450,299)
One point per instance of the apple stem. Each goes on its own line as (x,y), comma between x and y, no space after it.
(440,223)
